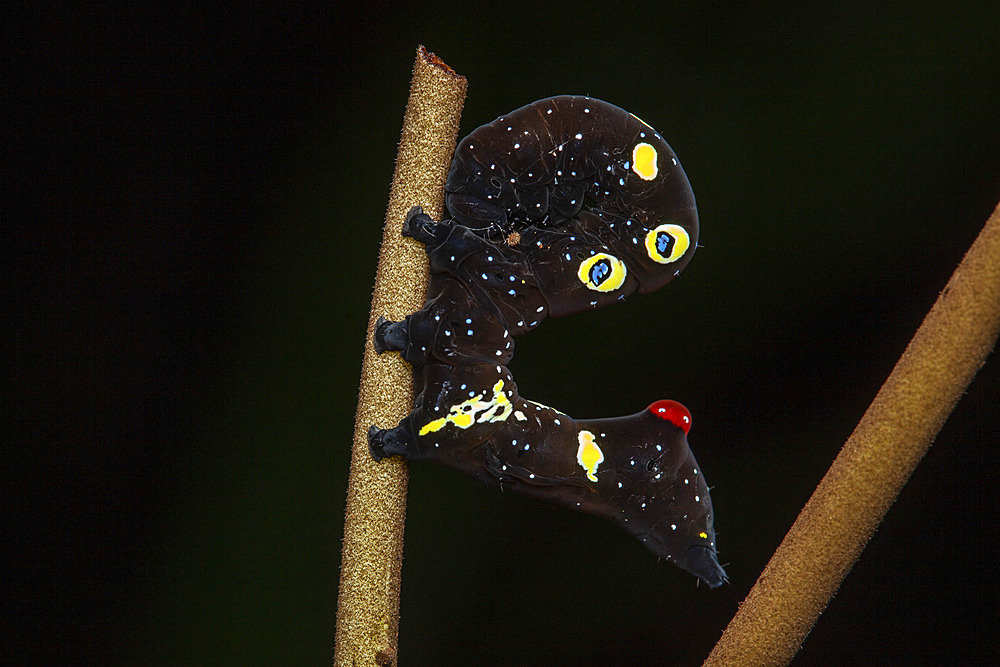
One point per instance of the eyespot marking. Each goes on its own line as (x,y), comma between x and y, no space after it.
(602,272)
(667,243)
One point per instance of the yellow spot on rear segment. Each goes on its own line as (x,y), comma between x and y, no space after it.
(474,410)
(703,535)
(644,161)
(589,455)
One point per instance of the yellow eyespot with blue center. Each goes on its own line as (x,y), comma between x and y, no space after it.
(644,161)
(602,272)
(667,243)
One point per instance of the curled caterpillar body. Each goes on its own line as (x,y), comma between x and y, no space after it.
(600,208)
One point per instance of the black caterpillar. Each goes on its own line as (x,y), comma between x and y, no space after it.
(566,204)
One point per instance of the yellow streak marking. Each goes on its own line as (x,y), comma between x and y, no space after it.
(475,410)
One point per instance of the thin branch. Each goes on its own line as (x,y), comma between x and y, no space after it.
(368,607)
(893,435)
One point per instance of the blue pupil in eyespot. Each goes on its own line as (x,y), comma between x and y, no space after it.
(600,271)
(664,243)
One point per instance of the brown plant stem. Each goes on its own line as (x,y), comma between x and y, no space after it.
(894,434)
(368,607)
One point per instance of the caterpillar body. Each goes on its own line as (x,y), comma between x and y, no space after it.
(564,205)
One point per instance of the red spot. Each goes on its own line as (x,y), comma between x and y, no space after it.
(673,412)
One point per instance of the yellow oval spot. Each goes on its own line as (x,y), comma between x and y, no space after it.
(703,535)
(644,161)
(589,455)
(667,243)
(602,272)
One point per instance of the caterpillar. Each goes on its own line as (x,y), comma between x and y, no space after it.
(564,205)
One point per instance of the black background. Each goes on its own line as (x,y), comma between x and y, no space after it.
(194,205)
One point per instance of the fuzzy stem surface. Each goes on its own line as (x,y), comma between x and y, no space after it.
(371,561)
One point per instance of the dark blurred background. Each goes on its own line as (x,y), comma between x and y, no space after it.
(195,200)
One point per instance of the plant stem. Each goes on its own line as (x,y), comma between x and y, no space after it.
(894,434)
(368,607)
